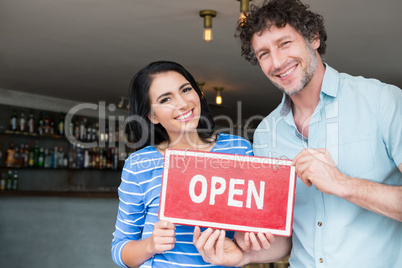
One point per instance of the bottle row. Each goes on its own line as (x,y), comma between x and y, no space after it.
(9,182)
(79,128)
(34,156)
(42,125)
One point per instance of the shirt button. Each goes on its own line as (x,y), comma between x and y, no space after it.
(321,260)
(319,223)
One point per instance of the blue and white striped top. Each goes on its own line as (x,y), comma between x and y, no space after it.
(139,194)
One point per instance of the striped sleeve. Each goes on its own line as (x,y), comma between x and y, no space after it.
(131,212)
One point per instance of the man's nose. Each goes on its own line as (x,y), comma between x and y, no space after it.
(278,59)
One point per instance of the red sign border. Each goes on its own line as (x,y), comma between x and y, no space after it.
(265,160)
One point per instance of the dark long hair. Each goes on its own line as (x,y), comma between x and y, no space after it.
(144,131)
(279,13)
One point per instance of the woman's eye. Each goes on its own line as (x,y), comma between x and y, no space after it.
(187,89)
(164,100)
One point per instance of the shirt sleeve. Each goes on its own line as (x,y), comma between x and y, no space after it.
(390,114)
(249,150)
(130,216)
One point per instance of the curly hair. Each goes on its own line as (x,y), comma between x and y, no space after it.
(279,13)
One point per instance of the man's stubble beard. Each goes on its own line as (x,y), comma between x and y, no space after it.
(312,62)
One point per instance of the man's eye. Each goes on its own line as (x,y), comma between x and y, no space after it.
(263,54)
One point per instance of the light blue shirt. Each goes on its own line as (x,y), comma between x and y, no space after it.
(359,121)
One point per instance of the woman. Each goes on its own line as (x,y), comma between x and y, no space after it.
(167,110)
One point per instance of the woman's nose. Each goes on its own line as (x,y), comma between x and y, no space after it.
(181,103)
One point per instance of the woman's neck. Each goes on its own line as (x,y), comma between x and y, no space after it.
(185,141)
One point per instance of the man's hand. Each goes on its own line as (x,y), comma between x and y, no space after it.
(316,167)
(215,248)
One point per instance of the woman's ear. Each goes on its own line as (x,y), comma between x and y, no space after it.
(153,118)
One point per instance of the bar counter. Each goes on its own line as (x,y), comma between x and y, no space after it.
(88,194)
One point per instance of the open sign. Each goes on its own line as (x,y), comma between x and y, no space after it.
(225,191)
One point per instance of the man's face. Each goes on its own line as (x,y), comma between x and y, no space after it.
(286,58)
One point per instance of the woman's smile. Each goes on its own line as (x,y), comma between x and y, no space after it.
(188,116)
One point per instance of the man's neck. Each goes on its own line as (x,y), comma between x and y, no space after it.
(305,102)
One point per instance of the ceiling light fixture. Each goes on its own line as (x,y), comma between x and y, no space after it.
(207,15)
(218,99)
(244,8)
(200,85)
(121,103)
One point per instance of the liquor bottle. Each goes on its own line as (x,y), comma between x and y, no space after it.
(87,163)
(26,149)
(47,159)
(97,158)
(115,155)
(89,133)
(109,159)
(83,129)
(21,162)
(55,158)
(51,161)
(10,155)
(76,130)
(94,135)
(51,127)
(40,124)
(15,182)
(72,157)
(31,123)
(22,121)
(36,154)
(41,158)
(93,158)
(106,134)
(60,157)
(17,157)
(13,121)
(80,157)
(70,129)
(65,161)
(60,126)
(46,125)
(3,181)
(31,158)
(9,184)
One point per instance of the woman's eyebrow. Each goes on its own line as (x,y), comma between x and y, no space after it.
(168,93)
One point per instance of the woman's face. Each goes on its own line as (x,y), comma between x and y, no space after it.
(174,103)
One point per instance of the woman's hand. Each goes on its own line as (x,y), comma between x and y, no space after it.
(251,241)
(163,236)
(217,249)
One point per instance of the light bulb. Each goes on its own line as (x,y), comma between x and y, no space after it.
(208,34)
(218,99)
(242,18)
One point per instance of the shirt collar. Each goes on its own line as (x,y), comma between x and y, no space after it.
(329,87)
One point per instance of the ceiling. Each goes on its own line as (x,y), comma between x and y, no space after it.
(88,50)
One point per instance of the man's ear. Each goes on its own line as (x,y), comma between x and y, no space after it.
(152,118)
(315,41)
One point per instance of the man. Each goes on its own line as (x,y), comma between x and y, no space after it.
(344,136)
